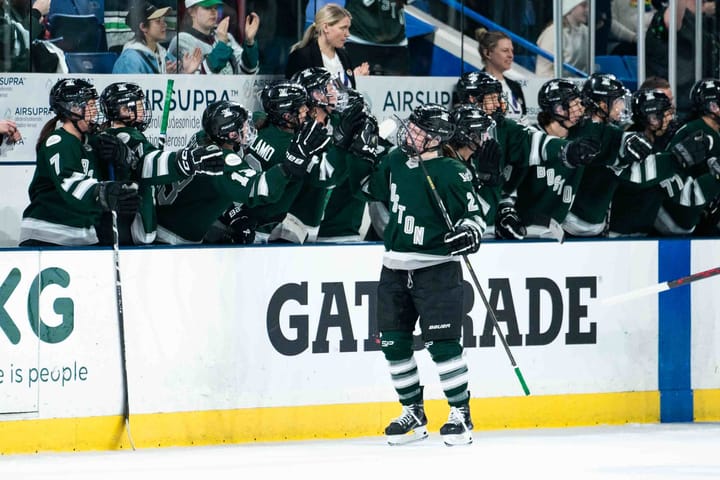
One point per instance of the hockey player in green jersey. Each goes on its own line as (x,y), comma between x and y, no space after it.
(639,195)
(546,192)
(683,208)
(474,144)
(128,115)
(284,111)
(521,147)
(421,275)
(69,189)
(186,209)
(607,106)
(302,222)
(346,217)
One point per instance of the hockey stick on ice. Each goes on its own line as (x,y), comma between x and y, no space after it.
(165,114)
(121,319)
(468,265)
(660,287)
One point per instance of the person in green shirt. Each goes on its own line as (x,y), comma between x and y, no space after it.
(421,276)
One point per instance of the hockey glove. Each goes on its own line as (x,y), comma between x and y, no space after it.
(465,239)
(714,167)
(114,151)
(486,161)
(507,222)
(309,142)
(241,227)
(691,150)
(203,159)
(351,121)
(579,152)
(365,144)
(119,196)
(635,149)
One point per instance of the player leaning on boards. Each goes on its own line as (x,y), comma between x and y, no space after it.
(421,274)
(69,190)
(128,116)
(186,209)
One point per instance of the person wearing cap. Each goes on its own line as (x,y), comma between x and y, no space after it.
(576,50)
(144,53)
(221,53)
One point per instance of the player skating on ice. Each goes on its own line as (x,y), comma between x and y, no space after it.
(421,277)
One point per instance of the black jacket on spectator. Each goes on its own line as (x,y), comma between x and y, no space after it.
(310,56)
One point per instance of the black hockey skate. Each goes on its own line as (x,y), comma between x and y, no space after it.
(410,426)
(457,430)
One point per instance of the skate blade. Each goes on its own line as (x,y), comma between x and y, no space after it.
(459,439)
(420,433)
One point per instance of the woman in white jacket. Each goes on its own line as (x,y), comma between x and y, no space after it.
(575,40)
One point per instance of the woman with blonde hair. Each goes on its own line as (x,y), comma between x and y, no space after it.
(496,51)
(323,44)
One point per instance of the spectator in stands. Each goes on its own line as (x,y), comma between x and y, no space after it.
(377,35)
(496,50)
(322,46)
(222,54)
(20,24)
(145,53)
(656,49)
(624,16)
(575,39)
(283,24)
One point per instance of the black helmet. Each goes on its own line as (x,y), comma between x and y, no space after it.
(314,79)
(649,106)
(602,87)
(476,84)
(125,94)
(471,125)
(557,92)
(554,93)
(71,93)
(281,99)
(224,122)
(434,120)
(705,96)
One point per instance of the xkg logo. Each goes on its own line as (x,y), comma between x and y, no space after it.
(63,306)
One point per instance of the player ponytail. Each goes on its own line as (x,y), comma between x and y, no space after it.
(47,129)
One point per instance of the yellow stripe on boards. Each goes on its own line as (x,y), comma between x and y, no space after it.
(216,427)
(706,405)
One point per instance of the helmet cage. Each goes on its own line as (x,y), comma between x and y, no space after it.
(282,103)
(69,100)
(122,101)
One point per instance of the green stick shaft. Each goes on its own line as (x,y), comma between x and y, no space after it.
(166,113)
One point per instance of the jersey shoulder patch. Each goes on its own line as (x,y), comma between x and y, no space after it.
(53,139)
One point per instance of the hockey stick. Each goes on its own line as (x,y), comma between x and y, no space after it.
(166,113)
(660,287)
(121,319)
(468,265)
